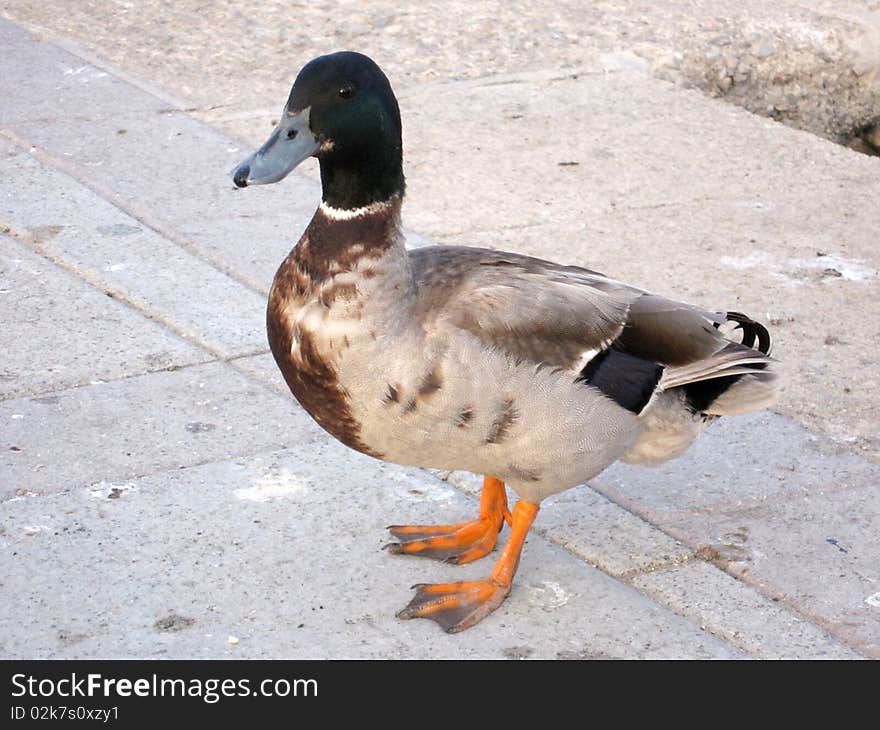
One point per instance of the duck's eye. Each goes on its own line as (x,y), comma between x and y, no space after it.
(346,92)
(291,133)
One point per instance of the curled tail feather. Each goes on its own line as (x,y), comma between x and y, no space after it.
(737,379)
(752,331)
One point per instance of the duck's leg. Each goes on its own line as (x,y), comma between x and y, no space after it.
(458,606)
(460,543)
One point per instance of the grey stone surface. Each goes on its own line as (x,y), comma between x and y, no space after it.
(180,186)
(671,191)
(59,85)
(125,257)
(263,368)
(811,63)
(125,428)
(739,463)
(818,552)
(59,332)
(731,609)
(283,551)
(786,510)
(605,535)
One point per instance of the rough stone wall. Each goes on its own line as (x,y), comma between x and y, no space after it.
(823,78)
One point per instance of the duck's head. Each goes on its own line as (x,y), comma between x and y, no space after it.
(341,110)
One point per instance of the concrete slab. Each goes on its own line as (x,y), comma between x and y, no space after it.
(731,609)
(180,188)
(738,463)
(811,63)
(60,332)
(263,368)
(718,496)
(125,428)
(605,535)
(283,551)
(118,253)
(59,85)
(818,554)
(643,178)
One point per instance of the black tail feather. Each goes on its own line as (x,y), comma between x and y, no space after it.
(752,331)
(702,394)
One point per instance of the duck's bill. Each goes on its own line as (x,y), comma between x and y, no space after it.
(289,144)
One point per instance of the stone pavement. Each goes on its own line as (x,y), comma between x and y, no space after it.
(163,493)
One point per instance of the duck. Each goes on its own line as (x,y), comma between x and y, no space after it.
(532,374)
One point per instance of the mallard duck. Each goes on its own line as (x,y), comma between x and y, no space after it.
(532,374)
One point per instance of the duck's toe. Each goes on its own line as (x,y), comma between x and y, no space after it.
(460,544)
(456,606)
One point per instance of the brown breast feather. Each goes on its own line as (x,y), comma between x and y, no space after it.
(328,247)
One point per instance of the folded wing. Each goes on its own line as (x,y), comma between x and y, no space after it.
(625,342)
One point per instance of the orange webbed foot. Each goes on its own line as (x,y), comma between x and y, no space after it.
(451,543)
(458,606)
(461,543)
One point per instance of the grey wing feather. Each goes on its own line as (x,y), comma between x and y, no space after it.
(688,341)
(533,310)
(543,312)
